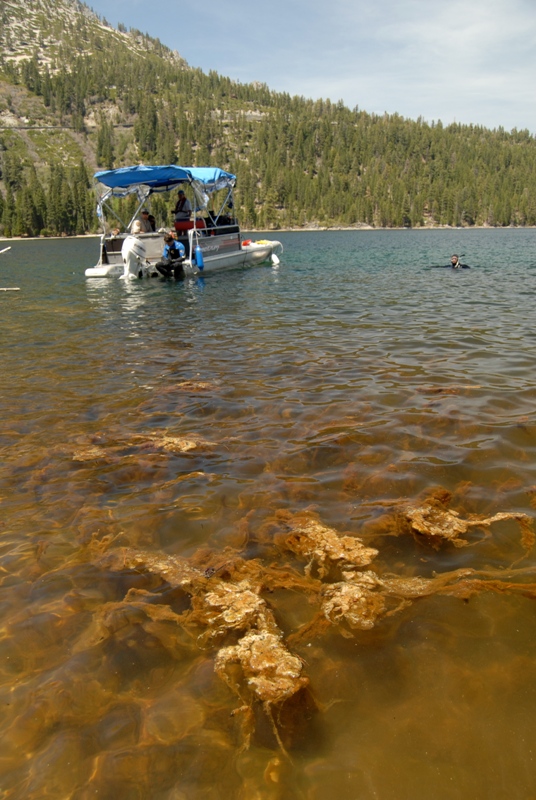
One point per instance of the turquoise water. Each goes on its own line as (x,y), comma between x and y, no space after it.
(195,420)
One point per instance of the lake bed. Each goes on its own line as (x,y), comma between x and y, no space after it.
(154,428)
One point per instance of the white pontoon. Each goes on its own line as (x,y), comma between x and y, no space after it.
(212,239)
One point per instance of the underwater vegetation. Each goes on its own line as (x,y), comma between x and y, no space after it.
(221,603)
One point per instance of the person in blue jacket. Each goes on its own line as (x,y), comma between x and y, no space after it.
(173,255)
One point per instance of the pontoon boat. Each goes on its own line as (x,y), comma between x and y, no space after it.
(212,239)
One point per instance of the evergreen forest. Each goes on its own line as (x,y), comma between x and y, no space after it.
(77,95)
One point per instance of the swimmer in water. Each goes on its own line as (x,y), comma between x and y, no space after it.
(454,264)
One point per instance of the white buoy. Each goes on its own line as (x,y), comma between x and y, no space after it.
(275,260)
(5,249)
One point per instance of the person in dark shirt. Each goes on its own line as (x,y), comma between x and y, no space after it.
(454,264)
(172,257)
(183,207)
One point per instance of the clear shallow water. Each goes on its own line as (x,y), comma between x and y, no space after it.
(181,419)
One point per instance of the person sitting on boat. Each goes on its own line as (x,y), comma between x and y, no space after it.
(172,257)
(143,224)
(183,207)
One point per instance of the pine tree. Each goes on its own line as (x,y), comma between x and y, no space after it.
(105,145)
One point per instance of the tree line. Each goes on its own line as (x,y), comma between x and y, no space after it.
(62,204)
(297,161)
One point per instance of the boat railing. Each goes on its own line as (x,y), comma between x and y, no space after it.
(219,229)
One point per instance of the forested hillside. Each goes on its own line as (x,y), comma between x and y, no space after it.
(76,95)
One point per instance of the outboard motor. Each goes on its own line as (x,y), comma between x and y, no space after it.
(133,252)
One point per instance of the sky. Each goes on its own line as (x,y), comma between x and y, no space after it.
(467,61)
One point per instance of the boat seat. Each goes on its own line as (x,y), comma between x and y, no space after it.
(188,224)
(114,245)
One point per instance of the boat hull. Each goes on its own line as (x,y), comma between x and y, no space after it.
(105,271)
(133,257)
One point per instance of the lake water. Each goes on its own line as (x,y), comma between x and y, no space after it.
(154,428)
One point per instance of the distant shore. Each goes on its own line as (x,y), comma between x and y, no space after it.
(306,229)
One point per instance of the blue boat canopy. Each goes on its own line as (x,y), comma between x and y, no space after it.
(159,178)
(163,178)
(143,180)
(211,178)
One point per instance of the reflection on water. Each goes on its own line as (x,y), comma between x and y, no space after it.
(212,582)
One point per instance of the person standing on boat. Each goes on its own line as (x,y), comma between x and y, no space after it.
(183,207)
(143,224)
